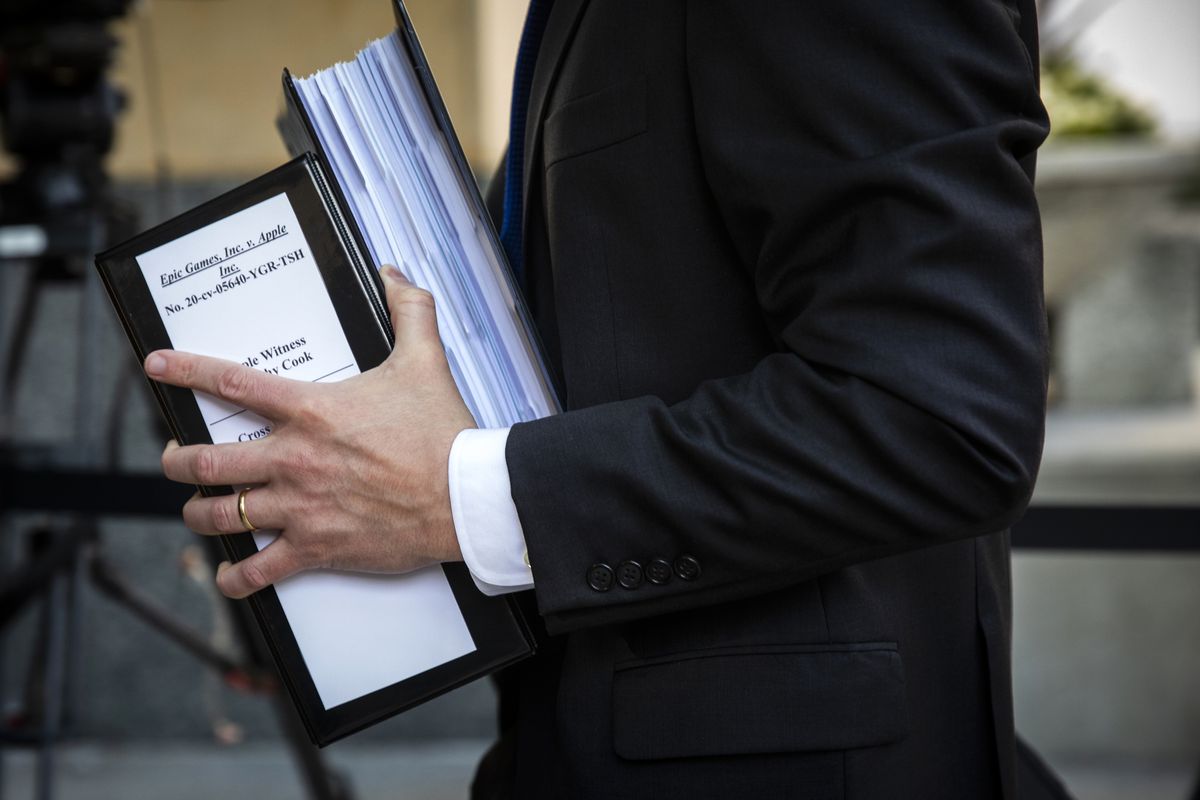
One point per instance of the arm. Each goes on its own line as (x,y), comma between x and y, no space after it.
(893,238)
(867,163)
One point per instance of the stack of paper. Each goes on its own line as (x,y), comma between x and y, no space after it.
(395,167)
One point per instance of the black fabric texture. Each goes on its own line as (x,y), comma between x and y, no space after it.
(786,258)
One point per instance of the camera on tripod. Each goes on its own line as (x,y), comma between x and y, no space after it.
(58,112)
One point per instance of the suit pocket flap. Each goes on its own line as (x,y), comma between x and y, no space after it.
(595,120)
(760,700)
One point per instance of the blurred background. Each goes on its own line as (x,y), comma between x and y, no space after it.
(1106,586)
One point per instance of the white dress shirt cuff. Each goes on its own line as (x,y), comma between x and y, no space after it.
(485,517)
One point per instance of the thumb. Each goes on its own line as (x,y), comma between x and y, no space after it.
(413,315)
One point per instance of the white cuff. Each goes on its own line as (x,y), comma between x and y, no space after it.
(485,517)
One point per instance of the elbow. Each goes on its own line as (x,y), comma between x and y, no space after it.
(1012,497)
(1005,475)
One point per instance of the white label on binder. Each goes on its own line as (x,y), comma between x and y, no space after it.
(246,288)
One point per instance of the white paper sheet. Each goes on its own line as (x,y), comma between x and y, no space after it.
(247,289)
(396,169)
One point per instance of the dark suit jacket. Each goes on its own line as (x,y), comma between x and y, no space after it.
(786,259)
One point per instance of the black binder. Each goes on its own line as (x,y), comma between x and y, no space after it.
(499,632)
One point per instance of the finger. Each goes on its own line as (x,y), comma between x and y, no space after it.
(269,395)
(216,515)
(234,463)
(413,316)
(276,561)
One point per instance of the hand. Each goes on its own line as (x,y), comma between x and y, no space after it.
(354,473)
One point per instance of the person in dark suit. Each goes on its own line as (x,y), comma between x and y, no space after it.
(786,260)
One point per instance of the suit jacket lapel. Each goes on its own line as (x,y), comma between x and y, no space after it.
(560,27)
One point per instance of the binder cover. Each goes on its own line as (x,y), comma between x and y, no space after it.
(496,629)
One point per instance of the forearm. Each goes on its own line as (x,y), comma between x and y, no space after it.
(766,480)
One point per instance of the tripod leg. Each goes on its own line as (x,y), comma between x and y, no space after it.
(3,699)
(5,649)
(76,577)
(54,643)
(14,359)
(323,782)
(120,590)
(50,560)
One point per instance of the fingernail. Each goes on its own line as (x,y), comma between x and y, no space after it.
(155,364)
(391,273)
(224,565)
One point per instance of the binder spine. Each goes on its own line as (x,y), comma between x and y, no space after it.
(441,116)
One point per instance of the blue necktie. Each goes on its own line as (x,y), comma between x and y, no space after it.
(510,230)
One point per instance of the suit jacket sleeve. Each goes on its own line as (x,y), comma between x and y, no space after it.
(872,165)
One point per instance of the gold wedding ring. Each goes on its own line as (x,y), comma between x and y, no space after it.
(246,523)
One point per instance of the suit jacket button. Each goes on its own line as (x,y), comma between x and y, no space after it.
(600,577)
(629,574)
(658,571)
(687,568)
